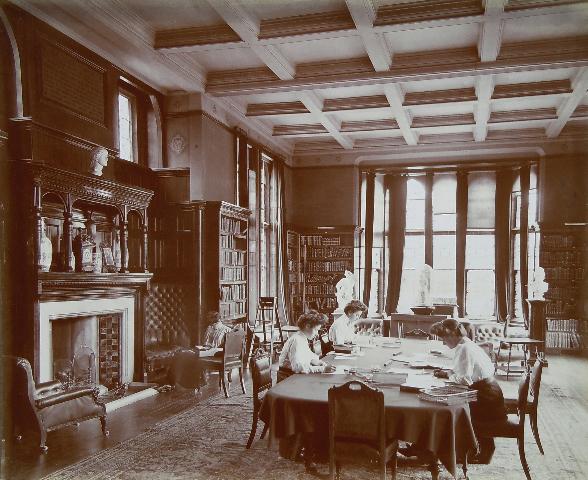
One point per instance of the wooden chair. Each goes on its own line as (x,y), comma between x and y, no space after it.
(232,358)
(357,418)
(261,375)
(512,403)
(511,428)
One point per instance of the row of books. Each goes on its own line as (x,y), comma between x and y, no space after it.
(326,252)
(227,241)
(563,273)
(321,240)
(558,241)
(326,303)
(561,293)
(320,289)
(564,324)
(231,225)
(560,307)
(233,257)
(232,274)
(334,266)
(560,258)
(232,309)
(565,340)
(233,292)
(293,265)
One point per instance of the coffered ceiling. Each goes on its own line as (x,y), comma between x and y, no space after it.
(359,80)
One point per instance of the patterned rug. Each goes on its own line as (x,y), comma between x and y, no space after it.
(208,442)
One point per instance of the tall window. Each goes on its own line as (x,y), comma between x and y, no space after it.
(127,127)
(444,222)
(414,243)
(480,237)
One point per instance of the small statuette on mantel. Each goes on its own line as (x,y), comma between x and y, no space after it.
(46,253)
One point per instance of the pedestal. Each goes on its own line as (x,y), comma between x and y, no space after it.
(537,323)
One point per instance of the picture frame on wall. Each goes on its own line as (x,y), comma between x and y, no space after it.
(108,264)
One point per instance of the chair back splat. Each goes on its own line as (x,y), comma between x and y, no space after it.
(357,417)
(261,375)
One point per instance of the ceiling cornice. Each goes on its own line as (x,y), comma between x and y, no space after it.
(183,37)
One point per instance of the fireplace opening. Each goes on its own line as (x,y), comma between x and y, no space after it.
(87,350)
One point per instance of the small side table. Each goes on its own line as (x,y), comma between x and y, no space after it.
(526,342)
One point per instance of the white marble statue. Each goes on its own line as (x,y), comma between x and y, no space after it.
(423,297)
(344,290)
(538,286)
(98,160)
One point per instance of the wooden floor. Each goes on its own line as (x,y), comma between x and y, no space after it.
(69,445)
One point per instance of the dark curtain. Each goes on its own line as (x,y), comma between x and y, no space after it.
(460,240)
(282,253)
(242,194)
(502,244)
(369,235)
(396,186)
(524,244)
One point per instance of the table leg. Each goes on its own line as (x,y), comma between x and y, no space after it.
(434,469)
(508,364)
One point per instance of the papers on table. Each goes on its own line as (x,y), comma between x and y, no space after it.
(203,351)
(339,370)
(421,361)
(418,382)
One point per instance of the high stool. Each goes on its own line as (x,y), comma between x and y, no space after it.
(266,320)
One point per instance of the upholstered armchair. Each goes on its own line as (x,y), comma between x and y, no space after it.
(51,404)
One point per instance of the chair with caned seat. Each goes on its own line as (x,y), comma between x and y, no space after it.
(232,358)
(357,419)
(261,376)
(511,428)
(535,386)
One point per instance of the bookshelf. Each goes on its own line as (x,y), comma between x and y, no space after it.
(563,255)
(326,254)
(223,261)
(294,275)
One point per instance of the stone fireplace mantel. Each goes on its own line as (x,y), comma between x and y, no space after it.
(62,295)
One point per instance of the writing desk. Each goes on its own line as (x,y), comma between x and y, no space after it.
(299,404)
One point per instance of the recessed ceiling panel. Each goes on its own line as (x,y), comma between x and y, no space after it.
(441,109)
(297,119)
(534,76)
(364,91)
(363,115)
(175,14)
(527,103)
(546,26)
(435,38)
(266,9)
(440,84)
(229,59)
(323,50)
(277,97)
(445,129)
(520,125)
(376,134)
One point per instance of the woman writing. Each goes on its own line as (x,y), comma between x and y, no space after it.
(472,367)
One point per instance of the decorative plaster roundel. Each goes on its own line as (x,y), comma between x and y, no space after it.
(177,144)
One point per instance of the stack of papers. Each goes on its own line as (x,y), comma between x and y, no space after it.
(421,382)
(449,395)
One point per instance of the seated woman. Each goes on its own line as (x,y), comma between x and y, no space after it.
(296,356)
(214,336)
(473,367)
(342,329)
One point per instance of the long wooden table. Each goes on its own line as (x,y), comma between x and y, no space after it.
(299,404)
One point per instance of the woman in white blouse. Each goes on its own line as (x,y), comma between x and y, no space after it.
(342,329)
(472,367)
(296,356)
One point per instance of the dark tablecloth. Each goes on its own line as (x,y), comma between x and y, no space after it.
(299,405)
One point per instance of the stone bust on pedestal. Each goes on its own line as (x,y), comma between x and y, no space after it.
(98,160)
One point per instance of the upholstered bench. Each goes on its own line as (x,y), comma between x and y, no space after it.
(375,327)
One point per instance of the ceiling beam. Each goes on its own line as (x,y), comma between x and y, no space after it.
(364,14)
(395,97)
(491,30)
(566,109)
(315,106)
(248,30)
(517,57)
(484,89)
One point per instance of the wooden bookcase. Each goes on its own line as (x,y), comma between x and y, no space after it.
(563,255)
(294,275)
(223,261)
(324,256)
